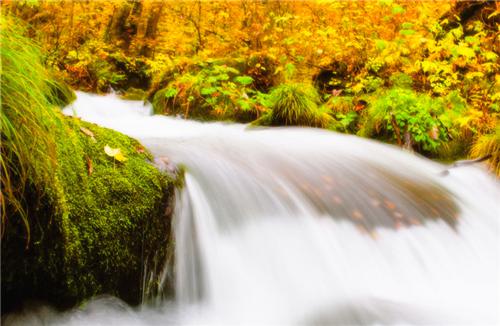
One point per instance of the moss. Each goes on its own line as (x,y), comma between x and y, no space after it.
(96,229)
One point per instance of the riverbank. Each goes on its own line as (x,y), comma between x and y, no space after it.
(85,211)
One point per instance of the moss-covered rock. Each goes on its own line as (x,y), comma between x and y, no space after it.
(97,229)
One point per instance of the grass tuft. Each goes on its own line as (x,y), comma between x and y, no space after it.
(28,96)
(295,105)
(486,145)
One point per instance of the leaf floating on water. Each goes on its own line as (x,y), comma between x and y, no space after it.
(374,234)
(337,200)
(398,215)
(389,204)
(374,202)
(415,221)
(88,133)
(361,228)
(115,153)
(357,215)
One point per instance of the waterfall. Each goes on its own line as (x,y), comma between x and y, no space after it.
(300,226)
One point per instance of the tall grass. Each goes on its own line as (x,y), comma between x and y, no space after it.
(486,145)
(26,116)
(296,105)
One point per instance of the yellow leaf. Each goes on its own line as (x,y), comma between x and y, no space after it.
(475,74)
(111,151)
(120,157)
(115,153)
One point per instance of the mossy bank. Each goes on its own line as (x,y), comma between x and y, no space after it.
(96,229)
(78,220)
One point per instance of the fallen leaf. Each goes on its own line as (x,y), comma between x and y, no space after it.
(88,133)
(120,157)
(139,149)
(90,168)
(111,151)
(115,153)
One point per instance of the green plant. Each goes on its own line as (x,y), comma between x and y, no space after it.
(367,84)
(346,122)
(408,118)
(214,91)
(340,104)
(27,116)
(295,104)
(401,80)
(97,67)
(488,145)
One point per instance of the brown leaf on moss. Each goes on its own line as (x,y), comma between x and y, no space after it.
(90,167)
(88,133)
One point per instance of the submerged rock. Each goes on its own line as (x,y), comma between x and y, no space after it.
(101,228)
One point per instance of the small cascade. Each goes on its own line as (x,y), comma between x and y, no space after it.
(309,227)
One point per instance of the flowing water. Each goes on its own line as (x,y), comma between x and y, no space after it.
(299,226)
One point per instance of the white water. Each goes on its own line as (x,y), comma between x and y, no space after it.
(303,226)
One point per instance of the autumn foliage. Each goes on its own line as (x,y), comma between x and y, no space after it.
(420,74)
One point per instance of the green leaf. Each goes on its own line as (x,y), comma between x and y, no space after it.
(244,80)
(223,77)
(407,32)
(380,44)
(245,106)
(406,25)
(471,39)
(170,92)
(397,9)
(208,90)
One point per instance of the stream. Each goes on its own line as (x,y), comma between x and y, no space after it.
(301,226)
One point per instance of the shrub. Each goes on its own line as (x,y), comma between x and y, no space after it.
(263,70)
(408,118)
(401,80)
(213,92)
(98,67)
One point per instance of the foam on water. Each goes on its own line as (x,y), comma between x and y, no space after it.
(304,226)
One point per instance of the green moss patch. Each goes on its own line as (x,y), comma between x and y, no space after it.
(96,229)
